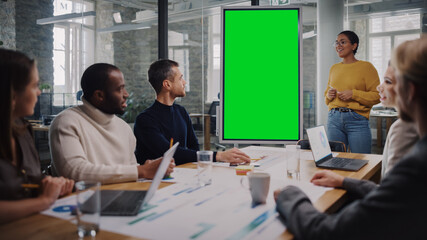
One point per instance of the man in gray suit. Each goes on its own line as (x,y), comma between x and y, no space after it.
(397,209)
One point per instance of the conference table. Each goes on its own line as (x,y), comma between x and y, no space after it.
(44,227)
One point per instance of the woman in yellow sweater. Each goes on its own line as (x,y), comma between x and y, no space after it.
(350,95)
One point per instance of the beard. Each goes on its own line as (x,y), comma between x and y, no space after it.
(112,105)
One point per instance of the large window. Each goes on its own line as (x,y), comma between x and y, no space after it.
(386,33)
(73,52)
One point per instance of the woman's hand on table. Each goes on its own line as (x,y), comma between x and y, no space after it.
(327,178)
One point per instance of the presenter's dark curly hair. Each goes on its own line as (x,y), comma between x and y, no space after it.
(352,36)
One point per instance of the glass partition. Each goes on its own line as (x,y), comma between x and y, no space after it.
(67,36)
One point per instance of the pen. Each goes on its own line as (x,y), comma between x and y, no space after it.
(29,185)
(171,144)
(334,88)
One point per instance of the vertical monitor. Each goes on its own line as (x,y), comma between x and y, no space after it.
(261,85)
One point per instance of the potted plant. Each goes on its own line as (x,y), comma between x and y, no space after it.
(45,87)
(135,105)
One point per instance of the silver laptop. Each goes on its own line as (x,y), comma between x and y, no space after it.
(127,202)
(323,155)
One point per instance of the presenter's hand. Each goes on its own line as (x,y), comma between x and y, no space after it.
(148,170)
(345,95)
(327,178)
(233,155)
(332,93)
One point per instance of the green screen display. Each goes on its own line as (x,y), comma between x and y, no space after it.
(261,75)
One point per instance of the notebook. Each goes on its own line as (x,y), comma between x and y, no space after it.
(323,156)
(128,202)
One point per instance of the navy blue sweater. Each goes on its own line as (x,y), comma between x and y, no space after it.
(154,129)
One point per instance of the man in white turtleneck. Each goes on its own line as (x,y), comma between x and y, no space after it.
(89,142)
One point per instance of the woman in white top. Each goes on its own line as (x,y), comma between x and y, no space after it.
(402,135)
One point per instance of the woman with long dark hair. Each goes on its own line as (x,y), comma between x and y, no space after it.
(24,190)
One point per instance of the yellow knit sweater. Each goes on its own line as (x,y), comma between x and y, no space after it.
(362,78)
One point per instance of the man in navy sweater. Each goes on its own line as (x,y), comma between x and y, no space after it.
(164,120)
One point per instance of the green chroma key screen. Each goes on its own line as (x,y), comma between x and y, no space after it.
(261,75)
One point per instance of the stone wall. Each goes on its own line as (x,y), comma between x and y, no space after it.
(198,62)
(7,24)
(133,53)
(104,51)
(36,40)
(135,50)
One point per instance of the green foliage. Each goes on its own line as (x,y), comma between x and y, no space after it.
(45,86)
(135,105)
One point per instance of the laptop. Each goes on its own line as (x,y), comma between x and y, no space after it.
(128,202)
(323,156)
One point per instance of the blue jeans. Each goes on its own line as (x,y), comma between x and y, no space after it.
(350,128)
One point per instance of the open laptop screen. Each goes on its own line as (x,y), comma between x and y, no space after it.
(319,142)
(161,171)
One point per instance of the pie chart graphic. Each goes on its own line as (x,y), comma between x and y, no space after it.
(64,208)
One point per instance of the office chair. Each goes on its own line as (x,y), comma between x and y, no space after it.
(212,113)
(336,146)
(79,95)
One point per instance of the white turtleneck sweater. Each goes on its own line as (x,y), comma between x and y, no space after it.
(87,144)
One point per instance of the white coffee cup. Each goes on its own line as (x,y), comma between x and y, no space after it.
(259,184)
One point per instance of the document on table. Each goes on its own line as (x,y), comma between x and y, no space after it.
(212,212)
(222,210)
(261,157)
(266,157)
(62,208)
(179,175)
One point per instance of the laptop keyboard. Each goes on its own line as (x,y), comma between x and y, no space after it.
(338,162)
(127,203)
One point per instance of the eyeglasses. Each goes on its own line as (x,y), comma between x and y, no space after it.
(339,43)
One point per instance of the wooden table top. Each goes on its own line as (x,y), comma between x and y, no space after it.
(44,227)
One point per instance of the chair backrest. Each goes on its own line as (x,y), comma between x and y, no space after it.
(79,95)
(212,112)
(336,146)
(304,143)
